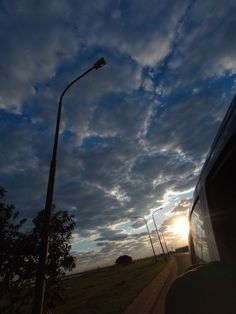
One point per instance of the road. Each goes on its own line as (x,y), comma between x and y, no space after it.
(181,263)
(152,299)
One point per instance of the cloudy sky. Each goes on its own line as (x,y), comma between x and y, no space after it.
(134,134)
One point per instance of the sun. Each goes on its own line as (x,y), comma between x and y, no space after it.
(181,227)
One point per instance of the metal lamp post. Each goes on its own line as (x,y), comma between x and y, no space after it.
(43,253)
(145,221)
(167,251)
(159,238)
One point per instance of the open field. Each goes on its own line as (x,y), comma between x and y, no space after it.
(109,290)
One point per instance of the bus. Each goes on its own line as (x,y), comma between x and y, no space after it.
(212,217)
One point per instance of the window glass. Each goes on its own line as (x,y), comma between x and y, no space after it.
(198,231)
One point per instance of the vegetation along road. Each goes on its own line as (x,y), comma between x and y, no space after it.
(109,290)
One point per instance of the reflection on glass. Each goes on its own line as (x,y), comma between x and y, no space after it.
(199,234)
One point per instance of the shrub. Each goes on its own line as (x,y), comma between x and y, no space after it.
(124,260)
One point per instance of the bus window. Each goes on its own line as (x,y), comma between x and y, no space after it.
(198,234)
(221,195)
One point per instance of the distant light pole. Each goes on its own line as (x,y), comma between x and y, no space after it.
(141,217)
(167,251)
(43,253)
(159,238)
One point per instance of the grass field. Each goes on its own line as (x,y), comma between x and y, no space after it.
(109,290)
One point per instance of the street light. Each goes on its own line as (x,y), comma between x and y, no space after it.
(167,251)
(43,251)
(141,217)
(158,232)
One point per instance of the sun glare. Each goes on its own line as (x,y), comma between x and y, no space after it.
(181,227)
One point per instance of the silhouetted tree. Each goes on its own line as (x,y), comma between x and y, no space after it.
(124,260)
(11,260)
(19,254)
(59,258)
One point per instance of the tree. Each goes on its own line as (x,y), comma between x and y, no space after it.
(124,260)
(11,261)
(59,258)
(19,254)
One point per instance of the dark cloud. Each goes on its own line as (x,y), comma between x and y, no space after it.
(132,28)
(188,125)
(111,235)
(34,45)
(207,45)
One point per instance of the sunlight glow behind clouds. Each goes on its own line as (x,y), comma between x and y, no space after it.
(180,227)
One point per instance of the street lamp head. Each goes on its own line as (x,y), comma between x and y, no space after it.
(140,217)
(100,63)
(157,210)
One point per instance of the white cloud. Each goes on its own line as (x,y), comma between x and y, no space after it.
(148,85)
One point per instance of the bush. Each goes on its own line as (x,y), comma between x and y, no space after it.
(124,260)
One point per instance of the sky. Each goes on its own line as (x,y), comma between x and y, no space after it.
(134,134)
